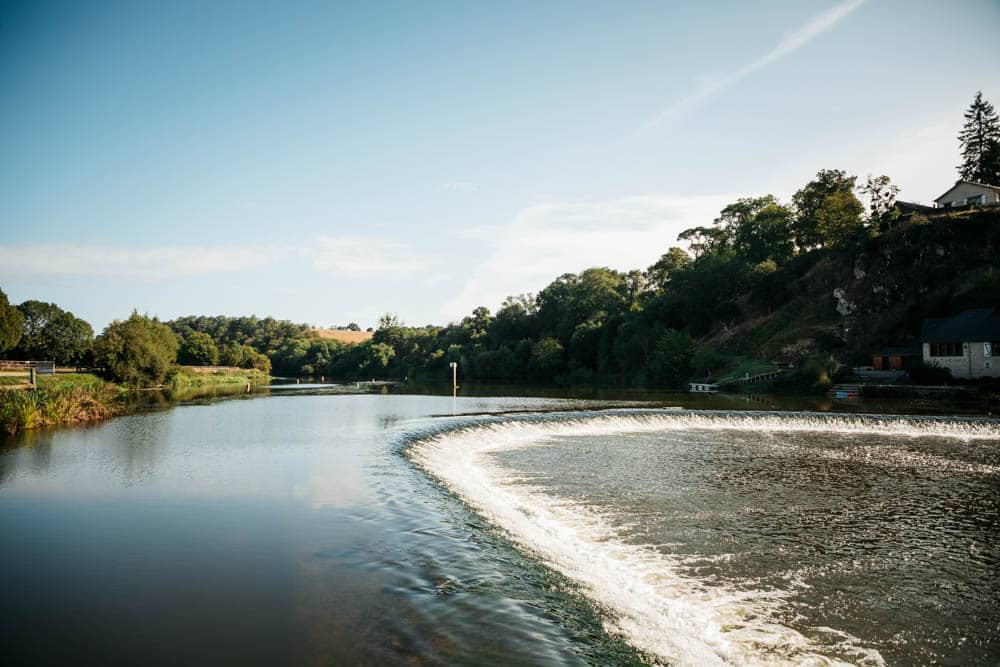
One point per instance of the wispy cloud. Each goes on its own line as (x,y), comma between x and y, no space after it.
(158,263)
(356,256)
(789,44)
(544,241)
(461,186)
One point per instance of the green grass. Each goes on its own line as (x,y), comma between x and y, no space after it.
(181,377)
(59,399)
(745,365)
(68,398)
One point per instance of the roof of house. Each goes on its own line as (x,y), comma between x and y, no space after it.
(900,350)
(913,207)
(975,325)
(960,181)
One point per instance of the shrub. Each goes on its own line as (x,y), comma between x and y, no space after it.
(137,352)
(198,349)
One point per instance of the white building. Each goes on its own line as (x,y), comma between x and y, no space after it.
(968,344)
(965,193)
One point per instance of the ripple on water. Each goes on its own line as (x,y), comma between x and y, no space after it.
(754,537)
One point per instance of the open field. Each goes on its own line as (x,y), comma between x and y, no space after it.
(342,335)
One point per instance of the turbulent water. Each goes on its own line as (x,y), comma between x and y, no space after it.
(316,528)
(754,538)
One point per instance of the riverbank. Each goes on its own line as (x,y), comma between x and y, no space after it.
(182,378)
(59,399)
(76,398)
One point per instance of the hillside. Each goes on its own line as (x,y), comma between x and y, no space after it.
(850,301)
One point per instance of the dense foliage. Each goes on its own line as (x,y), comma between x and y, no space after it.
(51,333)
(11,322)
(137,352)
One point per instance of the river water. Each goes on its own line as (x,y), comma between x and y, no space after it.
(313,527)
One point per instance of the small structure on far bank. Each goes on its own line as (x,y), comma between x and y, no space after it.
(899,358)
(968,344)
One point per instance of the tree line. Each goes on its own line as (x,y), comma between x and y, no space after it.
(638,327)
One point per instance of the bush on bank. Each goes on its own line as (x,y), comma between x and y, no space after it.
(59,401)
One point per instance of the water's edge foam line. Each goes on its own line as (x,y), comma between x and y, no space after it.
(659,611)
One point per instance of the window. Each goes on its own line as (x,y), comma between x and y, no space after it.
(978,199)
(946,350)
(987,349)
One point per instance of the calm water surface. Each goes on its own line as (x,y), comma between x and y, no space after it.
(296,529)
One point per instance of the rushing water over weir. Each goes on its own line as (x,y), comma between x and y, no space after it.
(751,538)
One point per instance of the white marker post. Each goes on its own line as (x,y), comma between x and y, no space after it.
(454,386)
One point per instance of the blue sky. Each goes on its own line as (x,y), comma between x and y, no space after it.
(326,162)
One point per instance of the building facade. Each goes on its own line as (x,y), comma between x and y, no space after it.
(968,344)
(968,193)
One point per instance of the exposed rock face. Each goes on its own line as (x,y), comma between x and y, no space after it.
(880,293)
(844,307)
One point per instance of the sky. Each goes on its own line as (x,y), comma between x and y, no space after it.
(330,162)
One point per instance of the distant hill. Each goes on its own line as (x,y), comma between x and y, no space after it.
(342,335)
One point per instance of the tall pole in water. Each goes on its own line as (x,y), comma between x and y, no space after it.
(454,386)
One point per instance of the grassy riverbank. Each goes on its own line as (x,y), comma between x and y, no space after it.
(60,399)
(181,378)
(73,398)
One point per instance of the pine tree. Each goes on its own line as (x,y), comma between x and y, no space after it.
(980,140)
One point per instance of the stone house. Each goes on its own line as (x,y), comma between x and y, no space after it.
(968,193)
(968,344)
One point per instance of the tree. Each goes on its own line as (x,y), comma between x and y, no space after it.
(11,324)
(760,229)
(571,299)
(980,142)
(137,352)
(515,320)
(379,355)
(53,333)
(881,194)
(389,321)
(547,358)
(839,218)
(705,240)
(824,206)
(658,275)
(244,356)
(673,358)
(198,349)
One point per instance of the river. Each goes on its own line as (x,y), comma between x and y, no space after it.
(309,526)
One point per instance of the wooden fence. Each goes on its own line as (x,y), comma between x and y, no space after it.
(28,370)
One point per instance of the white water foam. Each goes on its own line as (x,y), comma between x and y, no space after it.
(669,616)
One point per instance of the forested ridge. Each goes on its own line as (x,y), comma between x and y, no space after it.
(815,283)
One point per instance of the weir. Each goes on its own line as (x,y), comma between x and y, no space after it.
(654,604)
